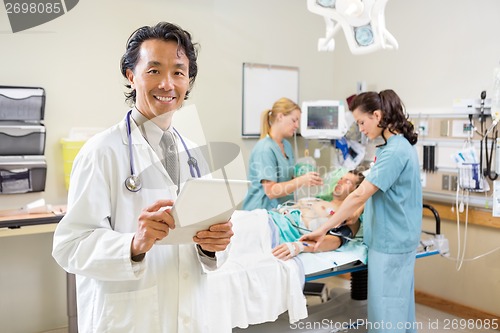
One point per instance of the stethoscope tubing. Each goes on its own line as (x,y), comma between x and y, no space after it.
(129,137)
(133,182)
(192,162)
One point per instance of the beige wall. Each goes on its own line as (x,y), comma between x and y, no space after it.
(447,49)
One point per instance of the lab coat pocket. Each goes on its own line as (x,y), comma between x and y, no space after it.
(130,312)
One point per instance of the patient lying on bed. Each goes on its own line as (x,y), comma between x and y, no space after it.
(290,222)
(253,286)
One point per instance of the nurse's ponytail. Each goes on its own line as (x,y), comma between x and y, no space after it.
(265,122)
(394,116)
(268,117)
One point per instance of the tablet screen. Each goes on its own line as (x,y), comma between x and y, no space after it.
(202,203)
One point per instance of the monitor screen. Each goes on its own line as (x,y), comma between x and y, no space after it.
(323,120)
(323,117)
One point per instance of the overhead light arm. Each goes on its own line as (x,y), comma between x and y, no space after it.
(363,23)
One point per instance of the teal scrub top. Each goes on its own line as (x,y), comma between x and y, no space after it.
(268,163)
(393,215)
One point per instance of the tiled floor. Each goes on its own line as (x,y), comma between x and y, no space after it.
(337,313)
(440,322)
(430,320)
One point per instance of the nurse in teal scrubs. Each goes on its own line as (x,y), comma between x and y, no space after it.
(271,166)
(392,195)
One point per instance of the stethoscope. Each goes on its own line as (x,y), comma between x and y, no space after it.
(133,182)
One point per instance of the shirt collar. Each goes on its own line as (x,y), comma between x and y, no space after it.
(149,130)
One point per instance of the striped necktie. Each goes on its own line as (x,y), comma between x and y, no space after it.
(170,157)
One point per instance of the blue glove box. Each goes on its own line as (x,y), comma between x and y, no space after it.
(22,174)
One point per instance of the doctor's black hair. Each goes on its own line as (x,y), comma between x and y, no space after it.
(394,116)
(163,31)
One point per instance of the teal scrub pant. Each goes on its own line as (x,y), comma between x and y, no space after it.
(391,296)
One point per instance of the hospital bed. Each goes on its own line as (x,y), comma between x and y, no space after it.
(255,292)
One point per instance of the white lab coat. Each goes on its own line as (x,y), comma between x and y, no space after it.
(166,292)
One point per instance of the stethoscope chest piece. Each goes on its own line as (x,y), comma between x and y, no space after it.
(192,162)
(133,183)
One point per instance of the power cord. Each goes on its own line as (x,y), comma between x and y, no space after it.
(460,209)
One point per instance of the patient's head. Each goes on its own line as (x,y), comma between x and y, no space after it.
(348,183)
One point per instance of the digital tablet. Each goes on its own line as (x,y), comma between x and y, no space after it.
(201,203)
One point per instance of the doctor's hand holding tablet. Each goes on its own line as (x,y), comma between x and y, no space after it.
(196,219)
(155,224)
(191,217)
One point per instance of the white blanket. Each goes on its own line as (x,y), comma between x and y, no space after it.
(253,286)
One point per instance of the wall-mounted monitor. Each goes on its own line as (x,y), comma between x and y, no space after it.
(323,120)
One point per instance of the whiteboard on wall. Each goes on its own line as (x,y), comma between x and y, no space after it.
(262,86)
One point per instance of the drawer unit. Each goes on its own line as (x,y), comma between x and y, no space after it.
(22,103)
(23,167)
(22,174)
(21,138)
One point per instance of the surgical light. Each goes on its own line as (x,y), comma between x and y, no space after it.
(364,35)
(351,8)
(362,21)
(326,3)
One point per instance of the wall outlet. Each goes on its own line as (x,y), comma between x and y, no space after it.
(445,183)
(445,128)
(461,128)
(453,183)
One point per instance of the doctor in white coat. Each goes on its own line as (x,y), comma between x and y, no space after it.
(126,283)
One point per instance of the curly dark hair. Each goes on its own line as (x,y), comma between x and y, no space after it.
(394,116)
(163,31)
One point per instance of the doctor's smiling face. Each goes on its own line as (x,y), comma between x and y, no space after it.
(160,65)
(160,78)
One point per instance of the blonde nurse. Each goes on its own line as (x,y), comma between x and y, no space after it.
(272,163)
